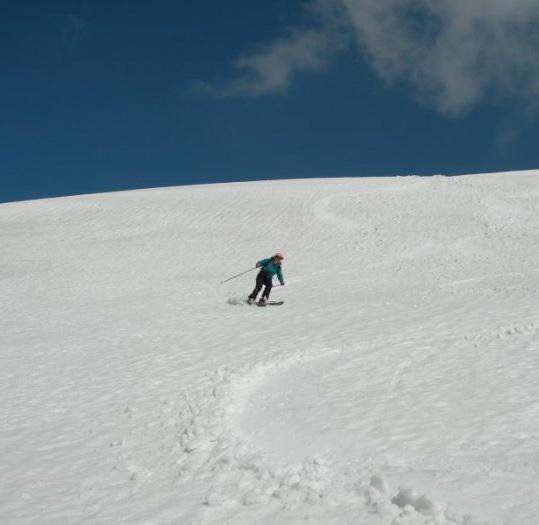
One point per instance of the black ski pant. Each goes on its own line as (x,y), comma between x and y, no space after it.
(262,279)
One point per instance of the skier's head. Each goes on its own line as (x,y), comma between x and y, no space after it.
(278,257)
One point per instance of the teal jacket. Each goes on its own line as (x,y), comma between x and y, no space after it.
(271,268)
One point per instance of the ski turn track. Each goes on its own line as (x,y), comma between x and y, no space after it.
(398,384)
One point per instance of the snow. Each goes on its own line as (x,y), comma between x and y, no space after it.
(398,384)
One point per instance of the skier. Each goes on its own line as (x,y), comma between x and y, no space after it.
(269,268)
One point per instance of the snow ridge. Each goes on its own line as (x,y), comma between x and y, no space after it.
(237,473)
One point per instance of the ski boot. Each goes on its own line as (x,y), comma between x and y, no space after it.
(250,300)
(262,302)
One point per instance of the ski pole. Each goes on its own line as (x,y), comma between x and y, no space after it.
(234,276)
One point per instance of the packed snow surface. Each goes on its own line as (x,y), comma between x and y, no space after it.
(398,384)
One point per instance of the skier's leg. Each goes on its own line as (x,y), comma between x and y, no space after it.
(258,286)
(267,290)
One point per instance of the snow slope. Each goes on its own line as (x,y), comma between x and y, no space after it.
(399,383)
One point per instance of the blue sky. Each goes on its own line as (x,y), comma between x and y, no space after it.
(109,95)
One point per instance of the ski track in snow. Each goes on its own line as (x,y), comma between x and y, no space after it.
(398,384)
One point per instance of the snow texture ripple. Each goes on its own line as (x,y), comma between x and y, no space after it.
(399,383)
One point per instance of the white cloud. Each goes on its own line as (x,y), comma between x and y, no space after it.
(270,70)
(452,53)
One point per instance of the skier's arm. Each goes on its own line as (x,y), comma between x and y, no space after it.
(280,276)
(263,262)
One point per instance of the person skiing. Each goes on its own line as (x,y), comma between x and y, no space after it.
(269,268)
